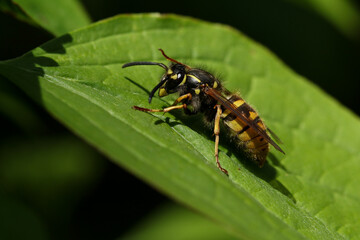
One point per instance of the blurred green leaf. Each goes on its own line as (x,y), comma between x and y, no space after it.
(343,14)
(55,16)
(17,110)
(9,7)
(176,223)
(50,174)
(43,169)
(311,192)
(18,221)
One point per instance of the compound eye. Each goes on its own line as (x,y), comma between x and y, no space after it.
(175,80)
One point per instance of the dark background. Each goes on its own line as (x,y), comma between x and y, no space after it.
(107,203)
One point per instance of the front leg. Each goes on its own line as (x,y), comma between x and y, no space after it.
(159,110)
(187,96)
(172,107)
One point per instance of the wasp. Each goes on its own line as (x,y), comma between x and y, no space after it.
(201,92)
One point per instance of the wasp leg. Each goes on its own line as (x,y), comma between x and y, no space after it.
(159,110)
(181,98)
(172,107)
(216,133)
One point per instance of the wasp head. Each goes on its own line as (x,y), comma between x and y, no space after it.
(174,77)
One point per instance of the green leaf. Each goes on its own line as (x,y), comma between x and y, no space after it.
(51,175)
(42,170)
(165,222)
(18,221)
(55,16)
(311,192)
(17,110)
(7,6)
(343,14)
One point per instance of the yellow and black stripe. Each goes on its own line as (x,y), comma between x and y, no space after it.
(246,136)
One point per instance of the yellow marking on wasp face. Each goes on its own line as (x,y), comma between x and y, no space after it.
(162,92)
(174,76)
(183,81)
(194,77)
(169,72)
(234,125)
(215,85)
(197,91)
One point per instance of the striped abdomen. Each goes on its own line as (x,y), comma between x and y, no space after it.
(247,137)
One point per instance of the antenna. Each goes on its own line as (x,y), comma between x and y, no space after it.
(171,59)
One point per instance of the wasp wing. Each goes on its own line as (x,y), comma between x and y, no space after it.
(273,135)
(228,105)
